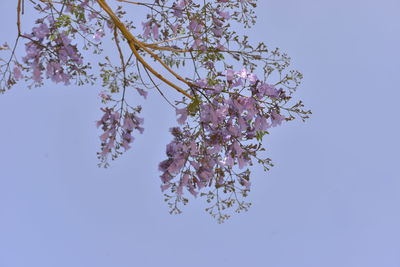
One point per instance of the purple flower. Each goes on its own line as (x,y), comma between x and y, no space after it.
(243,73)
(202,83)
(37,74)
(220,47)
(217,32)
(224,14)
(252,78)
(276,118)
(261,124)
(175,28)
(245,183)
(83,28)
(165,187)
(142,92)
(178,8)
(230,74)
(98,35)
(104,96)
(41,32)
(17,73)
(195,27)
(242,162)
(183,115)
(271,91)
(92,15)
(154,30)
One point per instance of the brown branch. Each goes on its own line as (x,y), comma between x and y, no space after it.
(19,17)
(165,65)
(133,43)
(131,2)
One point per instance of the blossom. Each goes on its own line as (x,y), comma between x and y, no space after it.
(183,115)
(276,118)
(195,27)
(252,78)
(142,92)
(230,74)
(261,123)
(154,30)
(104,96)
(37,73)
(98,34)
(217,31)
(224,14)
(92,15)
(41,32)
(243,73)
(17,73)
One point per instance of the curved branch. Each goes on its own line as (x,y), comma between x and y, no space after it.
(134,43)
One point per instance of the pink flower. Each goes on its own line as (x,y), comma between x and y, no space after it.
(245,183)
(242,162)
(197,43)
(183,115)
(83,28)
(41,32)
(217,32)
(192,191)
(224,14)
(271,91)
(220,47)
(276,118)
(202,83)
(154,30)
(105,136)
(230,74)
(243,73)
(165,187)
(104,96)
(175,28)
(261,123)
(185,179)
(37,74)
(237,148)
(178,8)
(98,35)
(242,124)
(195,27)
(142,92)
(252,78)
(17,73)
(228,161)
(92,15)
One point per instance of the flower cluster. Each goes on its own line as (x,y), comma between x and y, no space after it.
(117,132)
(59,58)
(220,138)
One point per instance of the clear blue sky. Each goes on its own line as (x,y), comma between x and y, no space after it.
(331,200)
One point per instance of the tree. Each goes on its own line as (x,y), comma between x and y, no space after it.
(237,91)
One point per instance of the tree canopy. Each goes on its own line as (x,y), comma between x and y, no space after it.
(230,91)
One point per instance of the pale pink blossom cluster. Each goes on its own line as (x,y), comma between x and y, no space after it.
(56,58)
(225,136)
(117,131)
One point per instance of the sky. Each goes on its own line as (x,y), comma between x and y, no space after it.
(331,200)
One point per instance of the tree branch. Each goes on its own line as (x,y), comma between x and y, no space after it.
(133,42)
